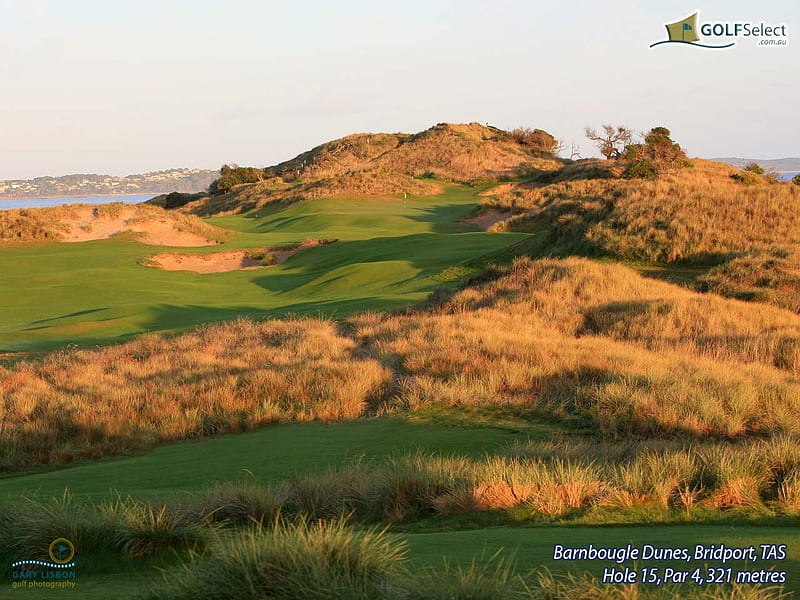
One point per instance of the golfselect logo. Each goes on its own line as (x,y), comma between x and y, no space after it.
(722,34)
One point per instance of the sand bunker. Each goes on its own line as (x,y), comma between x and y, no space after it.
(232,260)
(93,224)
(219,262)
(490,217)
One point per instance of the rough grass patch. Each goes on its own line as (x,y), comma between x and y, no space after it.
(292,561)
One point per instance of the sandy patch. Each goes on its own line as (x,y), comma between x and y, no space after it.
(490,217)
(219,262)
(503,188)
(91,224)
(232,260)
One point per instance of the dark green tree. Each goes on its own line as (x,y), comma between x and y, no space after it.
(230,176)
(657,154)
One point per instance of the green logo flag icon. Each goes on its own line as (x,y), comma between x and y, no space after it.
(684,31)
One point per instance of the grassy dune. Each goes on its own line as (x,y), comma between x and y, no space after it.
(462,153)
(746,234)
(384,165)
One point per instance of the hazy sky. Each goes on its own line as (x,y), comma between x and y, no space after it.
(124,87)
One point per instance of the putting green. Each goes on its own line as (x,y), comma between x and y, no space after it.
(391,253)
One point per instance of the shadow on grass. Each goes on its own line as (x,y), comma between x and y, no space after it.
(183,317)
(429,253)
(79,313)
(447,218)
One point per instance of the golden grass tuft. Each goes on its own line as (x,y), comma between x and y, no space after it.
(486,495)
(789,495)
(738,491)
(46,224)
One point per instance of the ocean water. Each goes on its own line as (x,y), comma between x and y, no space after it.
(34,202)
(787,176)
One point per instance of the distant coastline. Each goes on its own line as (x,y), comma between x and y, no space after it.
(86,185)
(67,196)
(95,199)
(779,165)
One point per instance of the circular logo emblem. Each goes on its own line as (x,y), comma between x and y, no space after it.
(61,551)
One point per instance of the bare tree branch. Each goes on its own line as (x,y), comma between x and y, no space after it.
(612,140)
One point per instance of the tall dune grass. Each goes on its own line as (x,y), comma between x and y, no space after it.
(120,529)
(19,225)
(699,215)
(231,377)
(524,339)
(584,342)
(314,536)
(695,214)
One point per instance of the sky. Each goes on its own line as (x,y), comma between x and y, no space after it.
(126,87)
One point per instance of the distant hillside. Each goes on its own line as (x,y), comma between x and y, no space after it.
(452,152)
(772,164)
(383,164)
(172,180)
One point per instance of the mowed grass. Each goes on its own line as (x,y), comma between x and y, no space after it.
(270,454)
(390,254)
